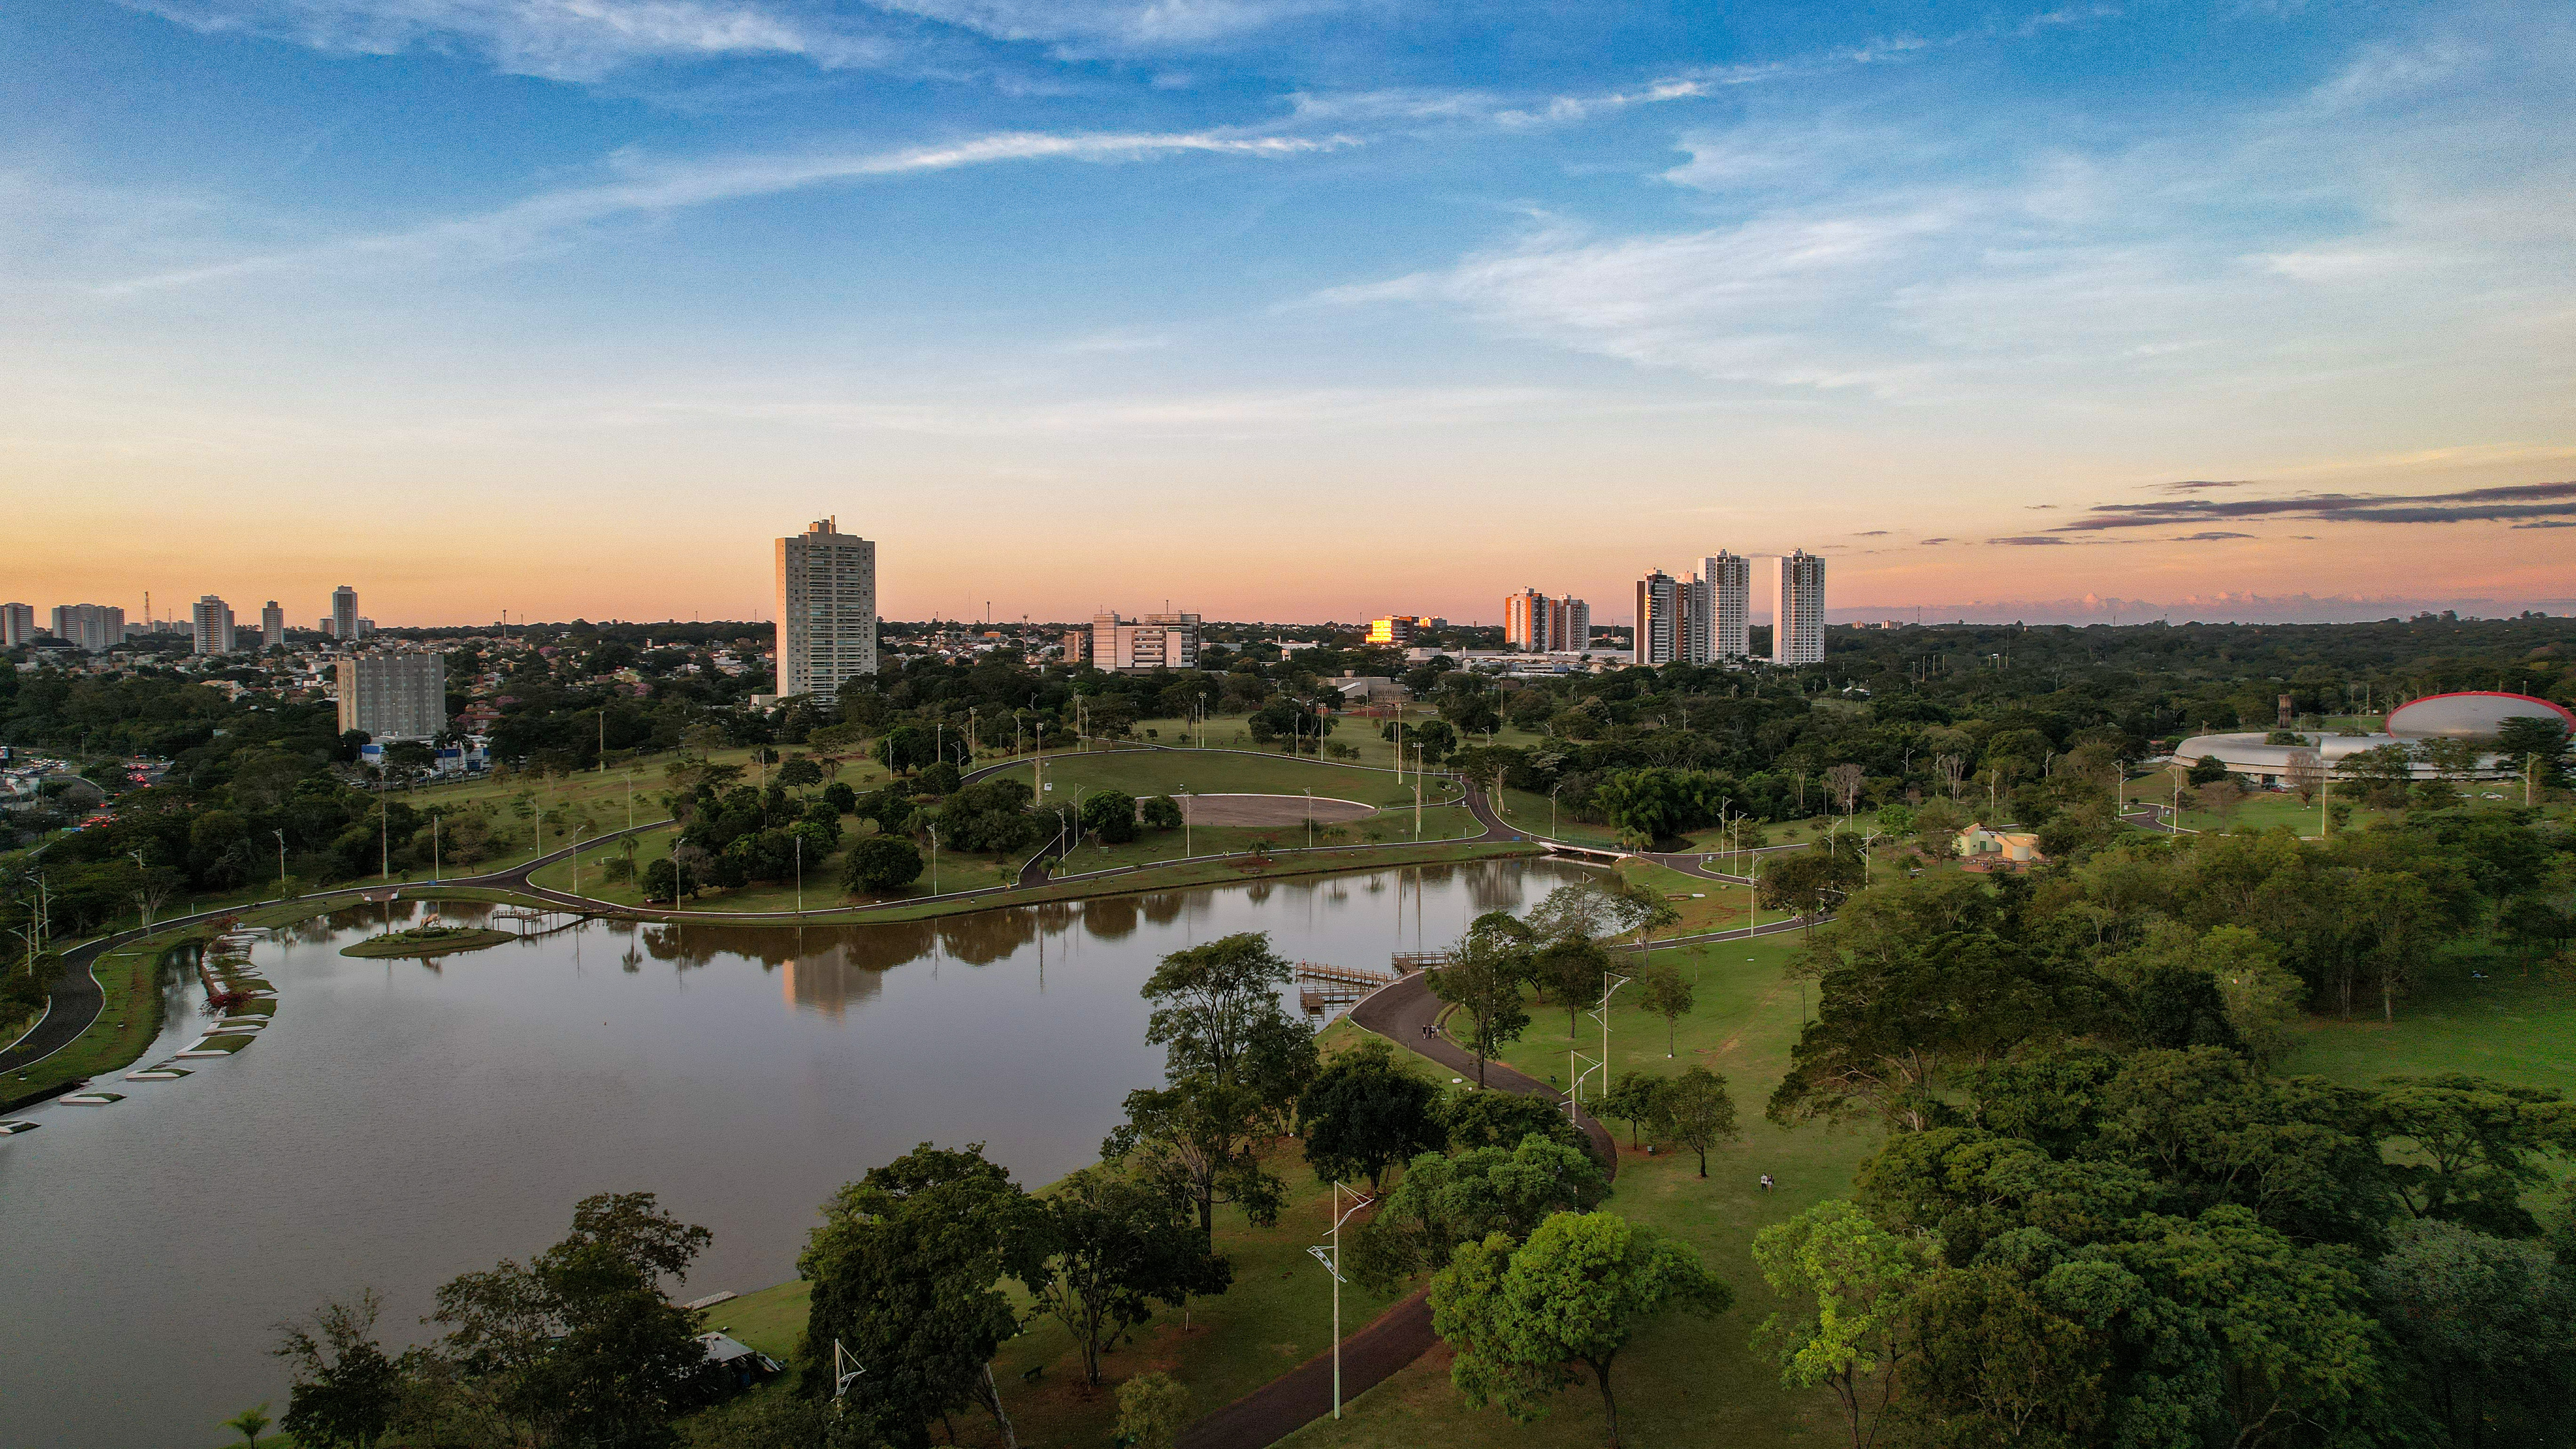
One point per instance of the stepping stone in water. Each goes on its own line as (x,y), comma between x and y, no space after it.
(92,1099)
(13,1126)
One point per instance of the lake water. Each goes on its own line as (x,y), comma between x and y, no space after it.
(404,1122)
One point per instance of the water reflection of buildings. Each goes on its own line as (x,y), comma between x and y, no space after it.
(828,981)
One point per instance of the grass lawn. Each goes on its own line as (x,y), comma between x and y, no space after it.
(1395,827)
(1229,733)
(1166,772)
(2512,1027)
(958,871)
(1682,1380)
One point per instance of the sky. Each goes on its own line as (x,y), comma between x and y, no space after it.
(1287,309)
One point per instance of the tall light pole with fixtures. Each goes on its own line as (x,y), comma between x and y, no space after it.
(1330,1255)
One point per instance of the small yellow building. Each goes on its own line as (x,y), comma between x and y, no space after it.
(2017,847)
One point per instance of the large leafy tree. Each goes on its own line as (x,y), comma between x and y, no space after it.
(2472,1148)
(580,1345)
(1444,1201)
(1859,1279)
(1693,1110)
(1364,1114)
(346,1390)
(1218,1014)
(1107,1249)
(906,1270)
(1524,1319)
(1197,1141)
(2483,1325)
(1482,977)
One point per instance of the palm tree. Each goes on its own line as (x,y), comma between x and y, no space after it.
(248,1423)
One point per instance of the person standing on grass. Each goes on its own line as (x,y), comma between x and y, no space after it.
(1766,1182)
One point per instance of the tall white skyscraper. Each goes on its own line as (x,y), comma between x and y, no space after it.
(93,628)
(272,625)
(1659,635)
(1797,597)
(827,609)
(344,613)
(1720,598)
(212,626)
(17,624)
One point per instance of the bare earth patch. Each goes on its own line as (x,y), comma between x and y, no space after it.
(1259,810)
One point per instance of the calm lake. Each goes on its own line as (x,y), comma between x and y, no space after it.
(403,1122)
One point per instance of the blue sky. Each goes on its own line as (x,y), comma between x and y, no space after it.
(1292,310)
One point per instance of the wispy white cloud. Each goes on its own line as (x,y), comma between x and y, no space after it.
(573,40)
(1132,25)
(649,188)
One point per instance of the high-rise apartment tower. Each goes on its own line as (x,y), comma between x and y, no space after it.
(1134,646)
(394,696)
(94,628)
(17,625)
(211,621)
(272,625)
(1797,597)
(1661,598)
(1716,608)
(344,614)
(827,609)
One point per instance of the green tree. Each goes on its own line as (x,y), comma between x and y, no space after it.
(345,1390)
(1109,1248)
(1365,1114)
(1572,969)
(906,748)
(881,864)
(1111,816)
(1636,1099)
(249,1422)
(905,1271)
(1504,1119)
(1444,1201)
(1482,977)
(2484,1325)
(1668,996)
(1694,1111)
(1152,1407)
(800,772)
(1573,1294)
(2470,1147)
(1198,1140)
(1218,1013)
(2539,741)
(1162,812)
(580,1345)
(1859,1277)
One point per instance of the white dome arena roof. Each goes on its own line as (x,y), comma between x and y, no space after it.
(2467,715)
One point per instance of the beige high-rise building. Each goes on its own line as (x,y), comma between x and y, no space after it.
(827,609)
(1525,620)
(1569,624)
(211,626)
(1796,594)
(1135,646)
(17,625)
(272,625)
(344,614)
(394,696)
(93,628)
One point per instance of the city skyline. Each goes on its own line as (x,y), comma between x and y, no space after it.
(2179,307)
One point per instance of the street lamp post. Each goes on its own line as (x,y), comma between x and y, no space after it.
(281,860)
(800,873)
(1331,1257)
(1310,819)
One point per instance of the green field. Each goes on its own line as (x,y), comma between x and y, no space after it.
(2511,1026)
(1355,732)
(1215,772)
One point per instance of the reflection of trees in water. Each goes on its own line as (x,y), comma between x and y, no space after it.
(988,936)
(1491,887)
(828,980)
(1111,918)
(1164,907)
(1257,892)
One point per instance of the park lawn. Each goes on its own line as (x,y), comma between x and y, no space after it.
(2510,1026)
(1357,732)
(1172,772)
(958,871)
(1395,827)
(1705,905)
(1682,1380)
